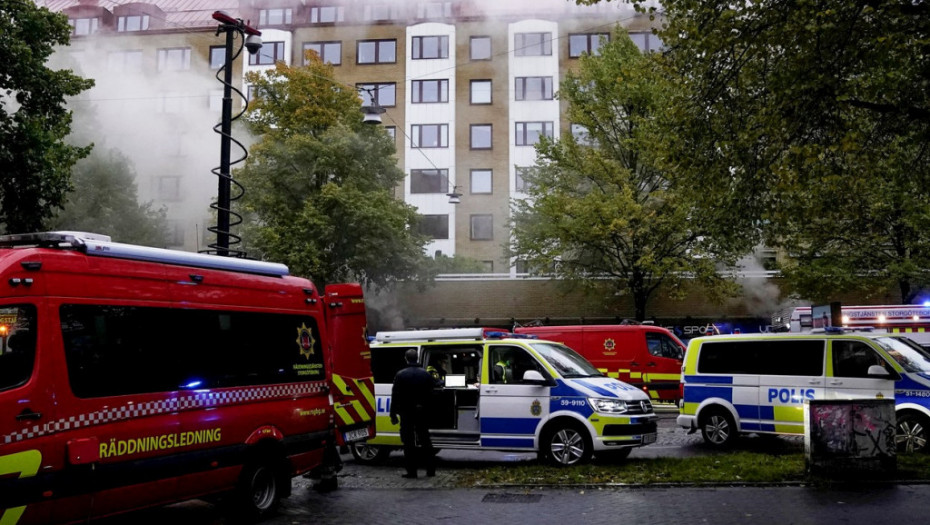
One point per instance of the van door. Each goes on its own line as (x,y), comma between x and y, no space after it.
(849,379)
(661,366)
(122,366)
(29,452)
(353,386)
(511,411)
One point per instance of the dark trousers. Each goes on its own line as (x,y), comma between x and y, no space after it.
(418,447)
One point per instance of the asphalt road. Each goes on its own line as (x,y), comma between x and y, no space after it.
(378,494)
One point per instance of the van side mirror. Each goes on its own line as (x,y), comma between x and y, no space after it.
(533,377)
(879,372)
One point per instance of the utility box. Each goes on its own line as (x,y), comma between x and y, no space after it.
(850,436)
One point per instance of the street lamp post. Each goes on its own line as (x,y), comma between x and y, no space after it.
(232,27)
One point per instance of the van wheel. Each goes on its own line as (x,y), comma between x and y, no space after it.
(369,454)
(912,434)
(259,491)
(567,444)
(718,428)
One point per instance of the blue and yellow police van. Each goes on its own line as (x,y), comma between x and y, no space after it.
(758,383)
(501,391)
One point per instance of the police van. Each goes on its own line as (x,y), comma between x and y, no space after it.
(501,391)
(758,383)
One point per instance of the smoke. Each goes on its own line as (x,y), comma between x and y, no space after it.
(158,117)
(761,297)
(383,311)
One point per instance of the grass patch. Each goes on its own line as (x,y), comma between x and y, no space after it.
(736,467)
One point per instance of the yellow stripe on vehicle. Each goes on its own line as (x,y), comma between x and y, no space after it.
(788,414)
(26,464)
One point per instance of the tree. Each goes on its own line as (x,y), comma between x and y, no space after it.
(105,201)
(806,125)
(319,183)
(599,205)
(34,159)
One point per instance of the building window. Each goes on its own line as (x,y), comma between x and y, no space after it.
(528,133)
(253,93)
(429,135)
(327,15)
(434,226)
(480,91)
(533,88)
(174,59)
(392,132)
(217,57)
(481,181)
(124,61)
(132,23)
(425,47)
(382,93)
(581,135)
(270,53)
(175,230)
(532,44)
(586,43)
(83,26)
(169,188)
(377,51)
(480,48)
(434,10)
(274,17)
(647,42)
(426,91)
(381,12)
(522,182)
(330,52)
(482,227)
(480,136)
(429,181)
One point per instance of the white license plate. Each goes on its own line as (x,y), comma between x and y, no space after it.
(356,435)
(649,438)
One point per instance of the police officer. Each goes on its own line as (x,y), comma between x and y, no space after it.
(413,387)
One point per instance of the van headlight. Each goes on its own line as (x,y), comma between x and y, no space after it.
(607,406)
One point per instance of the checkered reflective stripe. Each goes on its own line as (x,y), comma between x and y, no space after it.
(186,401)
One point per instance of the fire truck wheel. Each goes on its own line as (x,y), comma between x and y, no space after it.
(259,491)
(369,454)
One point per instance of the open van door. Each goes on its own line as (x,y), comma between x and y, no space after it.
(353,387)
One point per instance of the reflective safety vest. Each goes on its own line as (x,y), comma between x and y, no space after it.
(506,372)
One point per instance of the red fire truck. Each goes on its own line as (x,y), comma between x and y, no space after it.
(134,376)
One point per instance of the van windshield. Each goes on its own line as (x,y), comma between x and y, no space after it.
(907,353)
(566,361)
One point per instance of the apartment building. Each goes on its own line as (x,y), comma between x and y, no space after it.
(468,87)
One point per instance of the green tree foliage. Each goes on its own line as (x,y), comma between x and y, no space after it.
(806,125)
(319,183)
(601,206)
(105,201)
(35,162)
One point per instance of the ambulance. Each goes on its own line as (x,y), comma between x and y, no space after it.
(758,383)
(502,391)
(134,376)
